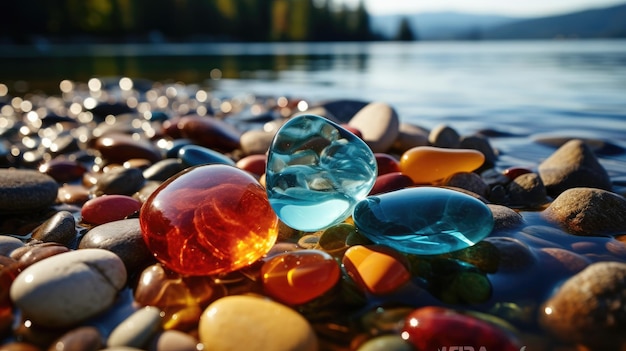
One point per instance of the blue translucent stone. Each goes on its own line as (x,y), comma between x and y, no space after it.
(316,173)
(195,155)
(424,220)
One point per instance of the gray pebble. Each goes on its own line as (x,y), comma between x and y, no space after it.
(137,329)
(444,136)
(23,190)
(120,181)
(527,190)
(60,228)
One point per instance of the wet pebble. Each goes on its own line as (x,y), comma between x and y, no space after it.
(588,211)
(137,329)
(505,218)
(378,123)
(108,208)
(267,326)
(468,181)
(24,190)
(86,338)
(8,244)
(573,165)
(73,194)
(444,136)
(515,256)
(589,307)
(377,270)
(63,170)
(46,291)
(256,142)
(527,190)
(173,340)
(60,228)
(119,148)
(427,164)
(124,238)
(209,132)
(164,169)
(194,155)
(119,181)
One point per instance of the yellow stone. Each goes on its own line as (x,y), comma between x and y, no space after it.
(428,165)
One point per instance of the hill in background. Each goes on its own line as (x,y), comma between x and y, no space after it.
(607,22)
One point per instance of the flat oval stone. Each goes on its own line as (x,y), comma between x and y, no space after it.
(163,169)
(120,181)
(423,220)
(63,170)
(137,329)
(173,340)
(108,208)
(374,269)
(427,328)
(316,173)
(60,228)
(210,132)
(209,219)
(68,288)
(378,123)
(118,148)
(124,238)
(195,155)
(86,338)
(267,325)
(254,164)
(23,190)
(427,164)
(298,277)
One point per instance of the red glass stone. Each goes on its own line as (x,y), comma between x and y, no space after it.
(432,328)
(386,163)
(209,219)
(298,277)
(108,208)
(514,172)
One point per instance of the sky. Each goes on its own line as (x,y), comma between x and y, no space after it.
(522,8)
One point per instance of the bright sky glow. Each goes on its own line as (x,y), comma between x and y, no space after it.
(525,8)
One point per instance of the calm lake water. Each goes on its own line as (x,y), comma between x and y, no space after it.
(526,89)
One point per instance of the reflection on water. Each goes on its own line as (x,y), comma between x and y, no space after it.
(518,87)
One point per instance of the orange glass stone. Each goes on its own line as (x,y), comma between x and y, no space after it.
(375,269)
(297,277)
(182,299)
(427,164)
(209,219)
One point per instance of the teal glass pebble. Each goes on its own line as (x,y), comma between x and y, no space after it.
(195,155)
(317,172)
(423,220)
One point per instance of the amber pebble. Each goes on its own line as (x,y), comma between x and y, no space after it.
(63,170)
(181,298)
(390,182)
(427,164)
(386,163)
(209,132)
(209,219)
(254,164)
(119,148)
(428,328)
(298,277)
(375,269)
(109,208)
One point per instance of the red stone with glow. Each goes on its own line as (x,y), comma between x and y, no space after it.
(209,219)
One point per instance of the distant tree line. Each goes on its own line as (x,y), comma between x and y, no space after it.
(183,20)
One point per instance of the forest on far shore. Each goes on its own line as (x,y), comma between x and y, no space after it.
(120,21)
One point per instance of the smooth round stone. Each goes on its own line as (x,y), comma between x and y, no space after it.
(163,169)
(254,164)
(298,277)
(72,194)
(123,238)
(444,136)
(120,181)
(386,343)
(68,288)
(23,190)
(118,148)
(8,244)
(85,338)
(386,163)
(108,208)
(60,228)
(378,123)
(316,173)
(267,325)
(173,340)
(63,170)
(390,182)
(209,132)
(427,164)
(424,220)
(194,155)
(428,328)
(374,269)
(137,329)
(209,219)
(256,141)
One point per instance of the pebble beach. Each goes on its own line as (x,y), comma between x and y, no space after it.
(157,216)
